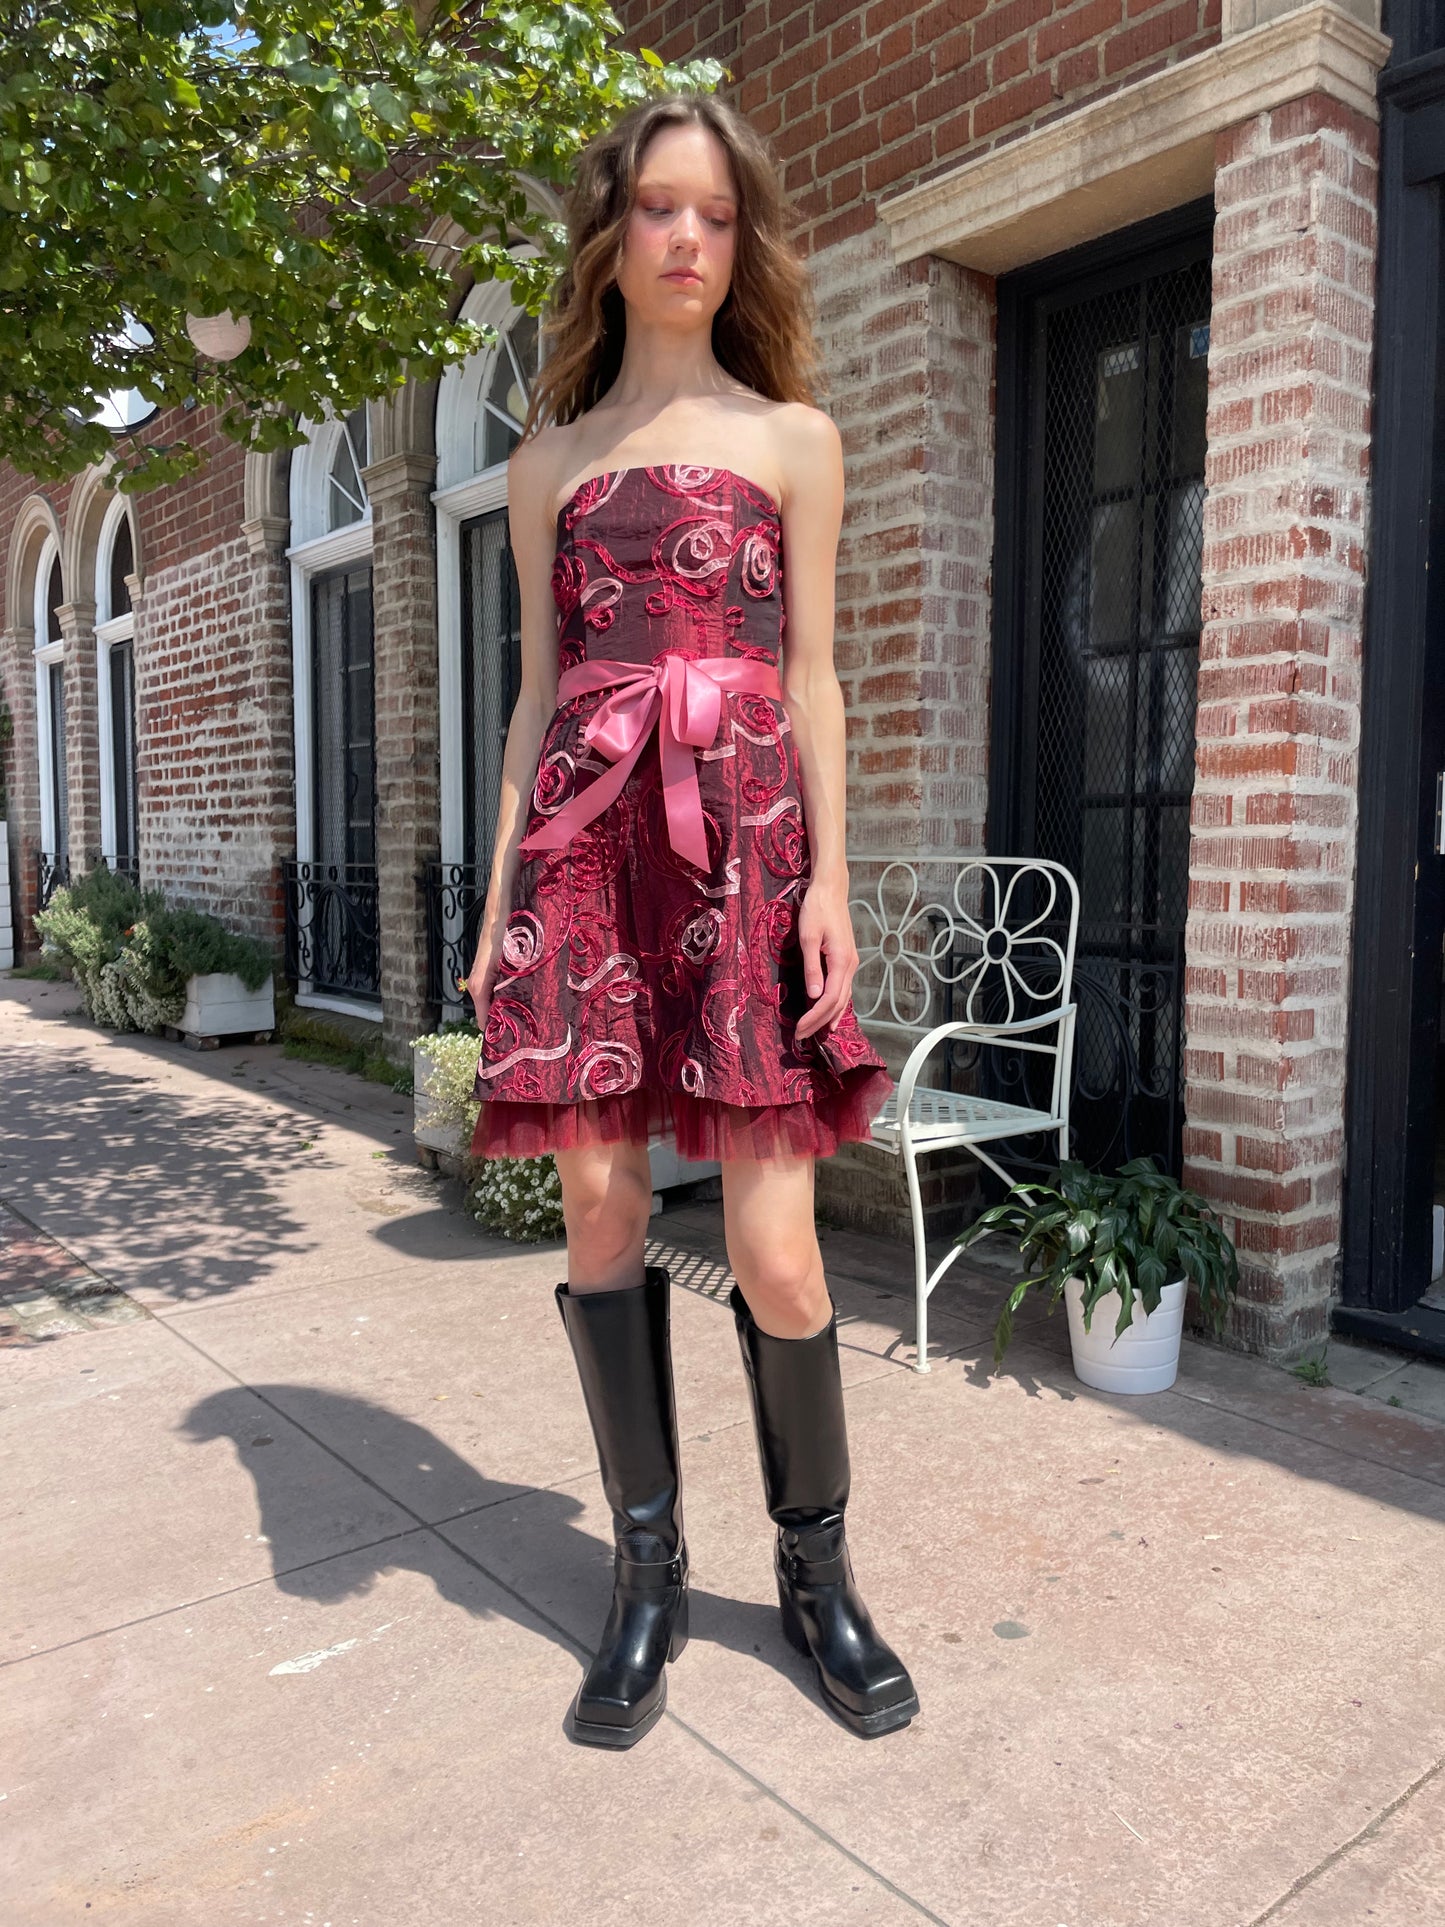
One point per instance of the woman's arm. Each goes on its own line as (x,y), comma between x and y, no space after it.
(530,487)
(811,460)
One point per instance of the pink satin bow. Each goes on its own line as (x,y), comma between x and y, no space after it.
(683,696)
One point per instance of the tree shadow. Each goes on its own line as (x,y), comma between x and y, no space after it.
(132,1170)
(476,1522)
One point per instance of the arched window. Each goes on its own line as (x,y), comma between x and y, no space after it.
(50,719)
(122,564)
(504,407)
(346,500)
(480,409)
(332,929)
(54,596)
(126,408)
(115,683)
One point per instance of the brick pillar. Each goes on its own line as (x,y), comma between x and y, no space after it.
(909,356)
(407,749)
(22,780)
(1273,852)
(267,796)
(82,735)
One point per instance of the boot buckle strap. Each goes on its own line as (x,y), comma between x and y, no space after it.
(798,1570)
(652,1575)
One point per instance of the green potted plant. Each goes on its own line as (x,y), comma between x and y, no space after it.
(1122,1250)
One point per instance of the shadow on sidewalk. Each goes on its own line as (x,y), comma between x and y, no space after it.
(391,1452)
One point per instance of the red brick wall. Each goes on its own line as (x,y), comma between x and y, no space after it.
(862,100)
(1273,855)
(213,690)
(213,728)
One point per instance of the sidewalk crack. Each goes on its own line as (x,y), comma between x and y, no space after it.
(1332,1859)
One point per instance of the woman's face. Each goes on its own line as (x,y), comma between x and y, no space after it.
(680,239)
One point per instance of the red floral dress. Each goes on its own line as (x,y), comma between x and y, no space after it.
(651,978)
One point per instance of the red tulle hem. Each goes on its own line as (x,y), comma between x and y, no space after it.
(703,1128)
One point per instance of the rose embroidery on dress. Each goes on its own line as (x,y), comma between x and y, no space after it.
(633,980)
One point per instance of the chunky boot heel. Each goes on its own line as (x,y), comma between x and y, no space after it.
(792,1625)
(679,1629)
(621,1343)
(797,1397)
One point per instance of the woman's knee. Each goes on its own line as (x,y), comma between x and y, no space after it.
(784,1286)
(606,1202)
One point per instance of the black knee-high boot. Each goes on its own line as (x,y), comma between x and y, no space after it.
(797,1394)
(621,1342)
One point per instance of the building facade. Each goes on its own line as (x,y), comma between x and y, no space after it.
(1096,292)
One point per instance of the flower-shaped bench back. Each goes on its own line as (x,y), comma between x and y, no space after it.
(979,940)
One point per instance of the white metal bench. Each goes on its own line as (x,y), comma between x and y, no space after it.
(977,949)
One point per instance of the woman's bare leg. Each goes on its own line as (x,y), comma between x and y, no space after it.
(772,1244)
(606,1202)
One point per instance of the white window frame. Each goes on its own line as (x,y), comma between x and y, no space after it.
(462,493)
(109,630)
(46,653)
(314,552)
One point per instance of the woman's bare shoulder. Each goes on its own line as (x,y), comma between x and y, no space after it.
(537,467)
(807,448)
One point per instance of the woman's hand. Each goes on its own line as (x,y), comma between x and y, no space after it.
(830,954)
(482,976)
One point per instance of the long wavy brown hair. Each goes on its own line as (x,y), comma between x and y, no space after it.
(763,332)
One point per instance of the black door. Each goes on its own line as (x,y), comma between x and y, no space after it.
(344,951)
(1104,378)
(1395,1107)
(491,677)
(491,674)
(123,756)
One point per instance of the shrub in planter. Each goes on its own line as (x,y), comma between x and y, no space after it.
(450,1058)
(1123,1237)
(518,1198)
(85,926)
(132,956)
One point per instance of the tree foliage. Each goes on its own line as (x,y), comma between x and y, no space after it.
(285,160)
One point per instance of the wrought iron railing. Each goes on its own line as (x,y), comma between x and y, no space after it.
(52,872)
(454,895)
(127,865)
(333,937)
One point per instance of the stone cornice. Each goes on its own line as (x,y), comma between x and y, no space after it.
(1148,147)
(407,473)
(266,534)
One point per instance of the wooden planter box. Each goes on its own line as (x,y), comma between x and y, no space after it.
(444,1147)
(219,1005)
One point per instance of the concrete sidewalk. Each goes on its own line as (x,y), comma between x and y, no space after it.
(304,1543)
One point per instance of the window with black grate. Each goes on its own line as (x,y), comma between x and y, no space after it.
(491,671)
(343,709)
(123,756)
(1114,486)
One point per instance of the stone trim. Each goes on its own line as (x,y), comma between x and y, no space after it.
(1137,152)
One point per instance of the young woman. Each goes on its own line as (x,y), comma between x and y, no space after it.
(666,941)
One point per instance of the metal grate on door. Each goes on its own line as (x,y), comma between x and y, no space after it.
(1114,486)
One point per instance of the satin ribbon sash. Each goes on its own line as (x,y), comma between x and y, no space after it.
(683,696)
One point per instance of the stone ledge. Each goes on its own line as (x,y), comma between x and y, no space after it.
(1137,152)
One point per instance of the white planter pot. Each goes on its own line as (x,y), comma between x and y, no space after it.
(447,1138)
(218,1004)
(1145,1358)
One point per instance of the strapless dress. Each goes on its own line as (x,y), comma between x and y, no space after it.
(651,979)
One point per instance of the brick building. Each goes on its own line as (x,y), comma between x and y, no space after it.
(1097,288)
